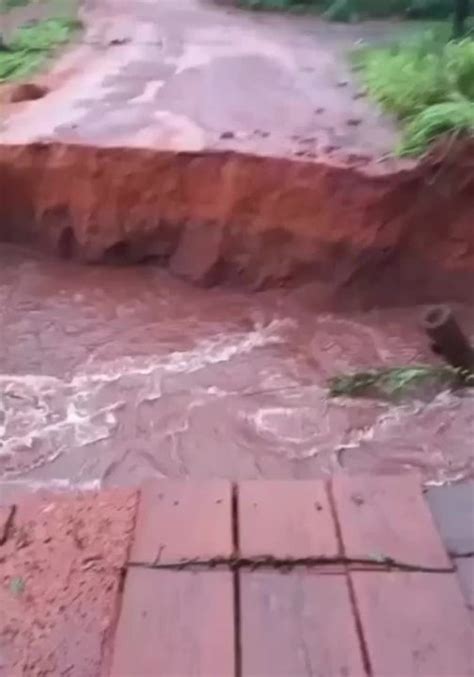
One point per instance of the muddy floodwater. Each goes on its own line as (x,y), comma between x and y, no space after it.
(110,375)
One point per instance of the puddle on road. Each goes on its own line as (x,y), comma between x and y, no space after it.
(113,375)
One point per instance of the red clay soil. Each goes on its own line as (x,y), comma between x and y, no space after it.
(61,567)
(368,234)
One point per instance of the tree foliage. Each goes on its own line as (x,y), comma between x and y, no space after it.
(345,10)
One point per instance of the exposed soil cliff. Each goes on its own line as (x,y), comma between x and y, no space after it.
(367,235)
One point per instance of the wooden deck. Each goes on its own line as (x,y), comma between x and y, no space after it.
(289,578)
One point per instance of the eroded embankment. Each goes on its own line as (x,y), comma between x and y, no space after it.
(368,235)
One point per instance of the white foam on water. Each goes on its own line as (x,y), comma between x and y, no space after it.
(294,425)
(445,477)
(44,416)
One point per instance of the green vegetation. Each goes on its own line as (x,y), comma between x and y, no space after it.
(354,10)
(444,118)
(284,5)
(394,383)
(30,46)
(347,10)
(427,82)
(11,4)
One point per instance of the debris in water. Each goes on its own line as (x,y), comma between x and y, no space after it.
(449,341)
(392,382)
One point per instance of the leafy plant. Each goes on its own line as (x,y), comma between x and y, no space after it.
(31,45)
(435,9)
(15,65)
(341,10)
(459,66)
(284,5)
(43,36)
(452,117)
(427,82)
(346,10)
(391,383)
(11,4)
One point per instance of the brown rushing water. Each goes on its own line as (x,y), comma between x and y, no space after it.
(113,375)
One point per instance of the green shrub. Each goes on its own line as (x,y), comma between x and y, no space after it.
(15,65)
(459,67)
(339,9)
(284,5)
(428,83)
(404,79)
(346,10)
(43,35)
(11,4)
(30,46)
(451,117)
(433,9)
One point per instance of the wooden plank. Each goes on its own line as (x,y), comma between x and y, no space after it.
(175,624)
(179,521)
(286,519)
(387,516)
(415,624)
(296,624)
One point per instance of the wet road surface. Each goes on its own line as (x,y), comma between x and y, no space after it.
(113,375)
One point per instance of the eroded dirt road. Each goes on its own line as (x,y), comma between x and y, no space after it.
(193,75)
(113,375)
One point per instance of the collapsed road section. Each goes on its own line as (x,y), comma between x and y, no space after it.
(368,235)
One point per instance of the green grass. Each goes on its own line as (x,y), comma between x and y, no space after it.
(427,82)
(453,118)
(30,46)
